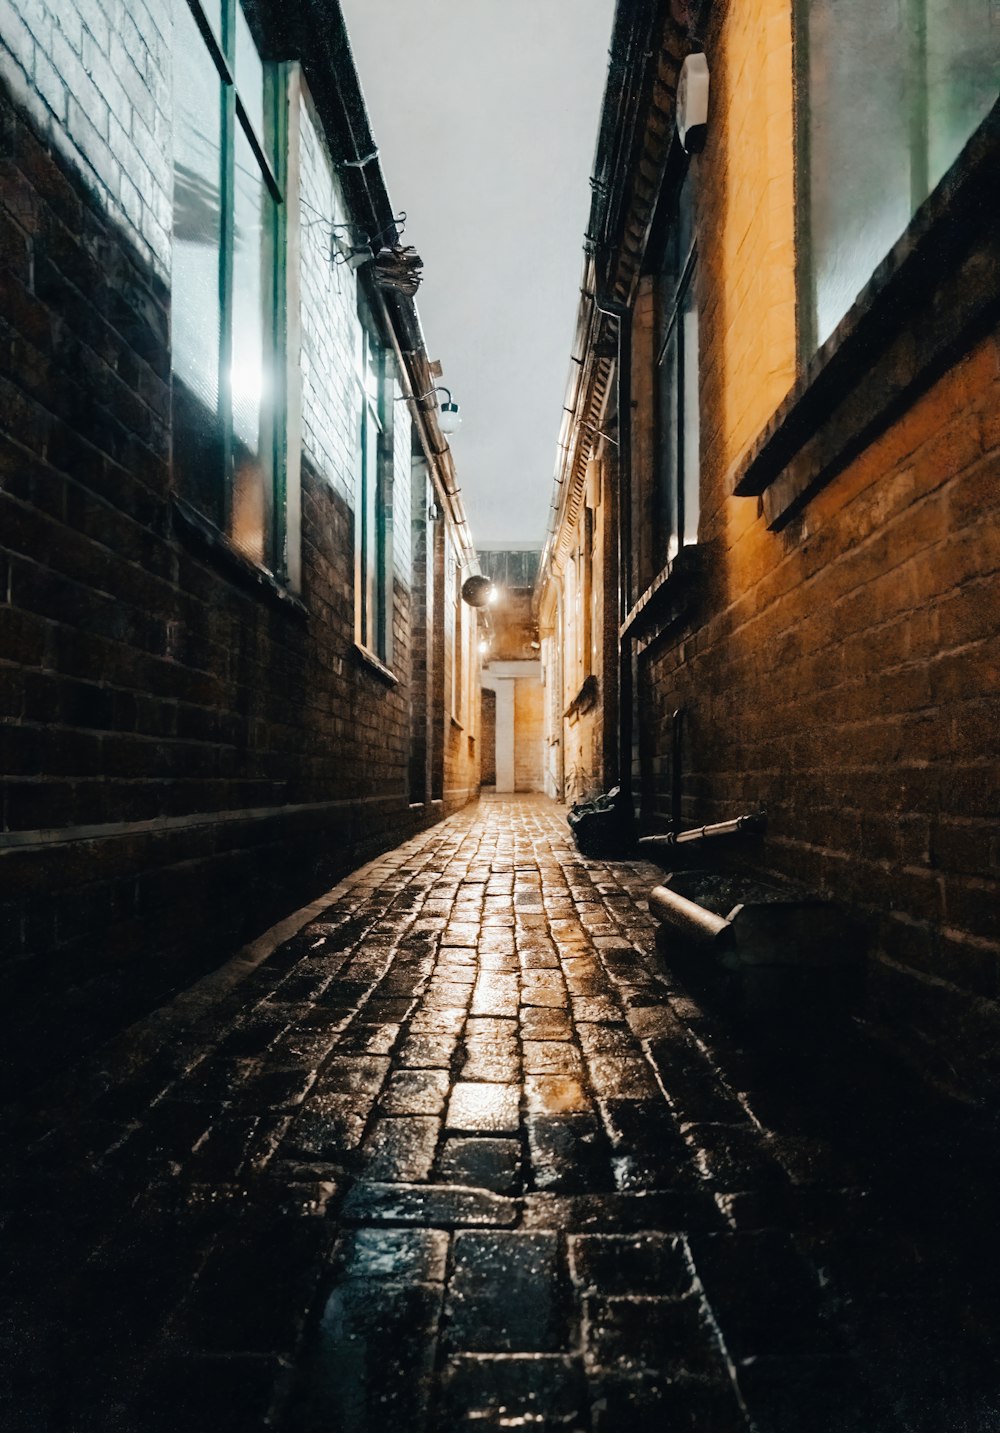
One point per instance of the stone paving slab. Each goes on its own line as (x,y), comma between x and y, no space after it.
(462,1154)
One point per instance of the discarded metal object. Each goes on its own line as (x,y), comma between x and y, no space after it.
(753,825)
(772,950)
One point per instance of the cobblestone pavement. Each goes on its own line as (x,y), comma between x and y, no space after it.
(461,1155)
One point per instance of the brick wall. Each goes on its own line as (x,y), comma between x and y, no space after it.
(94,78)
(745,210)
(843,671)
(187,757)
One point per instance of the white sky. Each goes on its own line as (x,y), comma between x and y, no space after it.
(485,113)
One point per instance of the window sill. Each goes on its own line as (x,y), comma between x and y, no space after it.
(666,600)
(203,537)
(931,299)
(585,699)
(375,664)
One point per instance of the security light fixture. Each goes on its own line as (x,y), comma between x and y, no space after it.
(350,245)
(478,591)
(692,104)
(449,418)
(354,246)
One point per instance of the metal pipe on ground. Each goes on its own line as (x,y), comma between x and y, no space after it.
(687,918)
(752,825)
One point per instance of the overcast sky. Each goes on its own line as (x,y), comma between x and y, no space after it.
(485,113)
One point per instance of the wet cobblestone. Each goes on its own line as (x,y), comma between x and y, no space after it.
(462,1154)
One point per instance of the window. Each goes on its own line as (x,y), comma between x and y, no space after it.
(371,589)
(888,93)
(226,305)
(456,647)
(675,508)
(587,559)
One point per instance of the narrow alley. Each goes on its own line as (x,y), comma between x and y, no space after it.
(461,1153)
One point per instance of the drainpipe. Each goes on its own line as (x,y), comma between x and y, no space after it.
(623,313)
(675,774)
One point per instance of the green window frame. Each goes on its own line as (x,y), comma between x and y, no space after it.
(372,490)
(887,95)
(228,268)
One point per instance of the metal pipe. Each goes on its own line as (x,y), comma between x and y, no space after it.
(675,774)
(687,917)
(752,825)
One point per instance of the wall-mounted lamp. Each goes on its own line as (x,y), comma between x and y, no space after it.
(484,648)
(478,591)
(449,417)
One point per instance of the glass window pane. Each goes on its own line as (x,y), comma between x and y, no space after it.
(690,412)
(212,11)
(197,240)
(963,75)
(250,77)
(252,374)
(665,507)
(371,533)
(373,381)
(859,146)
(360,603)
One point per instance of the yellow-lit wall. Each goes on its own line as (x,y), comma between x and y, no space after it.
(843,672)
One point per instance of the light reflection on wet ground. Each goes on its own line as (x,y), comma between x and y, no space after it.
(464,1155)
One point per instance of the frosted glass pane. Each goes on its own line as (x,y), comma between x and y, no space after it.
(371,533)
(252,378)
(197,237)
(212,10)
(963,75)
(366,525)
(859,146)
(250,77)
(667,457)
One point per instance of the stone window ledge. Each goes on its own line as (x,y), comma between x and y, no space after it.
(930,300)
(666,600)
(202,536)
(585,700)
(375,664)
